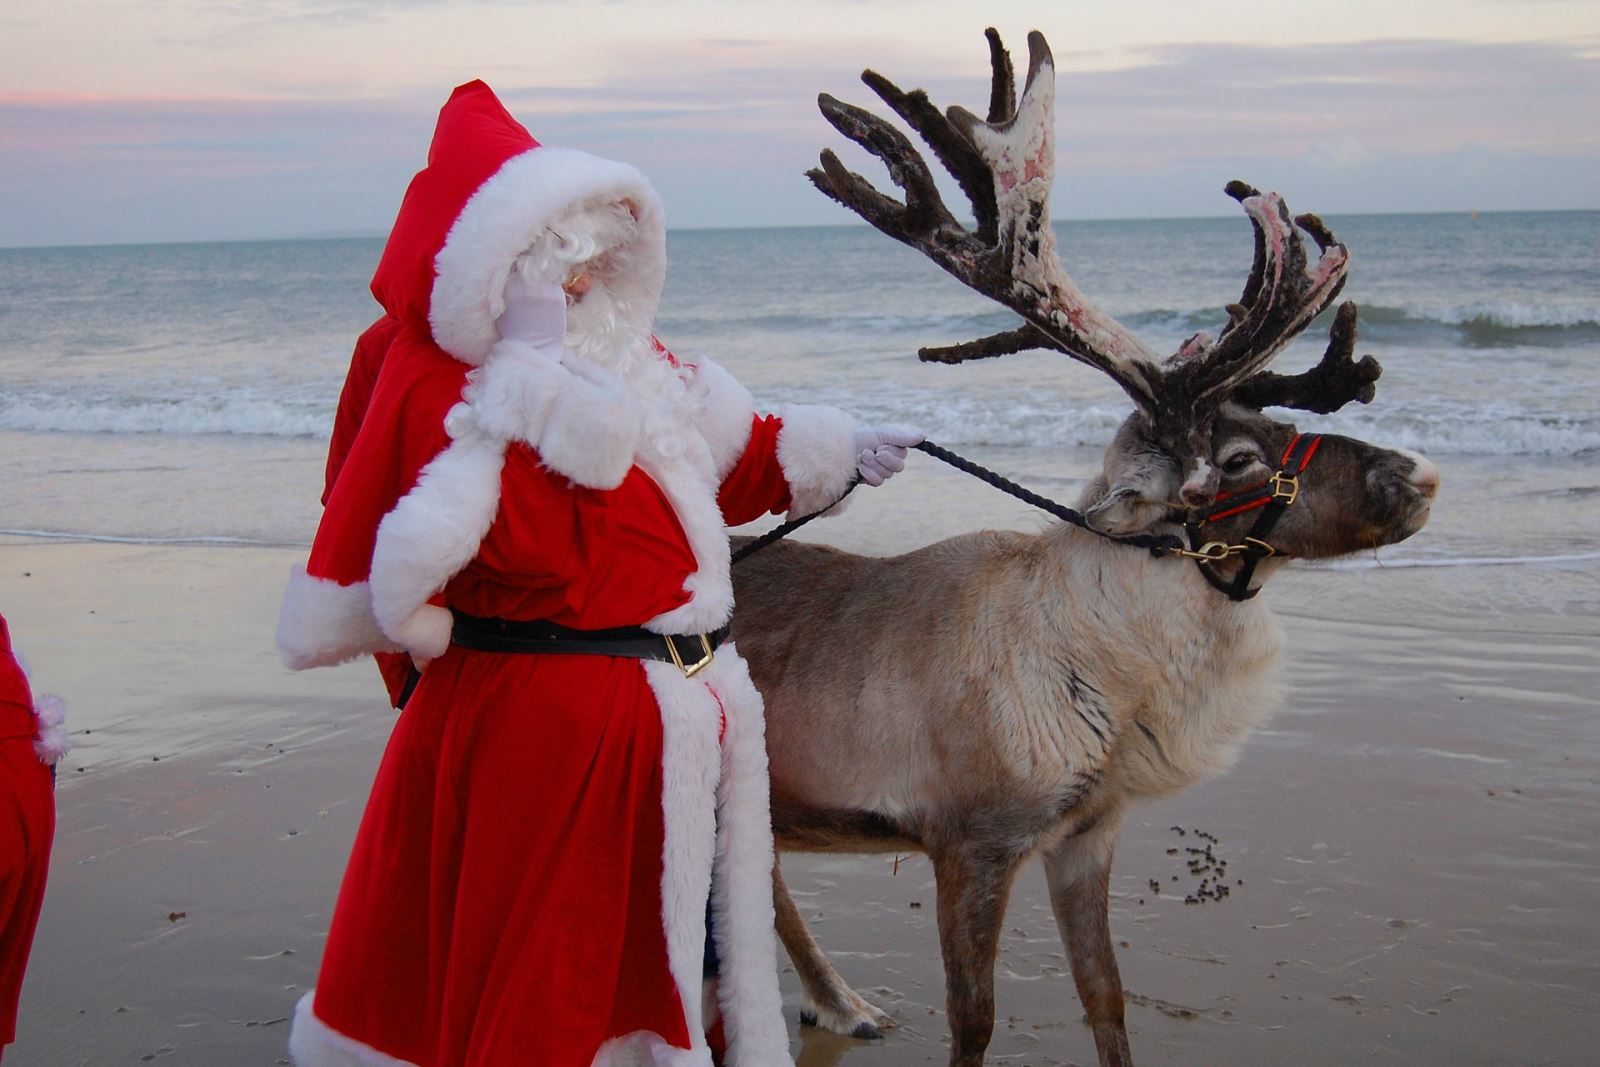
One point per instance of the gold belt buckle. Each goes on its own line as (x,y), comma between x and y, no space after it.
(691,669)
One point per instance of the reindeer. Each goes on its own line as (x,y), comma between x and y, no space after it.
(999,695)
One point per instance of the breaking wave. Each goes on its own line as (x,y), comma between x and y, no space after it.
(244,415)
(1482,324)
(1006,419)
(1044,420)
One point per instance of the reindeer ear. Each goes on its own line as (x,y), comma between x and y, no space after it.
(1136,500)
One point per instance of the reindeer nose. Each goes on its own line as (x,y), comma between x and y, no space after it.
(1424,476)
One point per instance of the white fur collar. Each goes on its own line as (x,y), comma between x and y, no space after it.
(587,424)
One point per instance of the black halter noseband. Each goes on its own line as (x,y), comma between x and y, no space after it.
(1273,497)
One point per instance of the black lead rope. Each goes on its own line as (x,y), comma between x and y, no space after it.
(1158,545)
(1162,545)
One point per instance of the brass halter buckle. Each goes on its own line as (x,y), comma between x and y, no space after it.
(1219,551)
(1259,545)
(1210,552)
(691,669)
(1285,488)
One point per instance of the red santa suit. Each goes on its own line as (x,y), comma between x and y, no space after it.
(31,741)
(530,880)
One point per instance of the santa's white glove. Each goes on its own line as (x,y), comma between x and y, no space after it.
(881,453)
(536,314)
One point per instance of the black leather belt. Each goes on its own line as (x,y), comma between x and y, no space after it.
(690,653)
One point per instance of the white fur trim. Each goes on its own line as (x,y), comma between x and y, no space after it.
(816,449)
(50,712)
(322,623)
(725,415)
(689,760)
(588,431)
(741,885)
(502,219)
(432,533)
(691,489)
(313,1043)
(645,1049)
(425,632)
(510,396)
(584,424)
(741,876)
(593,431)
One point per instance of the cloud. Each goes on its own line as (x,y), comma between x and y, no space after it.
(1344,153)
(726,127)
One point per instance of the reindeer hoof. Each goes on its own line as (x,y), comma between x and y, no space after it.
(866,1023)
(867,1032)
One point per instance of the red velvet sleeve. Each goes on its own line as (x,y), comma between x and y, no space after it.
(756,485)
(14,691)
(402,431)
(531,555)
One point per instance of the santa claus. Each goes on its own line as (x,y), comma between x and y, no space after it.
(32,740)
(528,499)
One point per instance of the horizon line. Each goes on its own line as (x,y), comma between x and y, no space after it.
(852,224)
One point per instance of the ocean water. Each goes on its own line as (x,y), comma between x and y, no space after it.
(185,392)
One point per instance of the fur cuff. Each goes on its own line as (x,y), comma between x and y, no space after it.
(51,744)
(816,450)
(432,533)
(322,623)
(645,1049)
(426,632)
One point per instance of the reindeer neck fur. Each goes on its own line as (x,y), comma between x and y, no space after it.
(1180,673)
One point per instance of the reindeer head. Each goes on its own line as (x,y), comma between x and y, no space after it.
(1197,432)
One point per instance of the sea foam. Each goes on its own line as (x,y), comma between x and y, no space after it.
(197,415)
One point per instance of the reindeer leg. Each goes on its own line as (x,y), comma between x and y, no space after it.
(832,1004)
(974,884)
(1079,872)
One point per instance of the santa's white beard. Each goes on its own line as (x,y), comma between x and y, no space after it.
(602,331)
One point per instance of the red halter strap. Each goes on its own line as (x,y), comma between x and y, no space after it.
(1274,495)
(1296,458)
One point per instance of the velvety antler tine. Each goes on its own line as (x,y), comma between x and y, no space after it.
(1280,298)
(1000,344)
(924,208)
(856,193)
(1334,382)
(951,147)
(1325,240)
(1252,285)
(1003,84)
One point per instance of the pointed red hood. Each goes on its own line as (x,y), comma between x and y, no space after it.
(488,190)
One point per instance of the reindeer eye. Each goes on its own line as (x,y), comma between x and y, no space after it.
(1238,462)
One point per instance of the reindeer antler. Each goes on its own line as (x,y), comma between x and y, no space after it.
(1004,165)
(1281,296)
(1334,382)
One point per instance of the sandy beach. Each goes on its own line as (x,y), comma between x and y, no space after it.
(1411,842)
